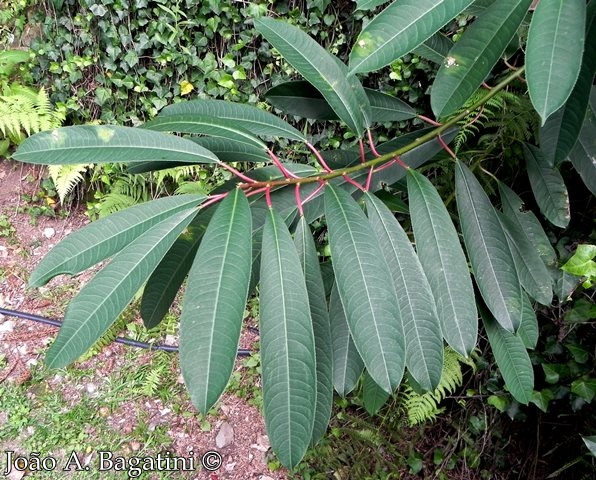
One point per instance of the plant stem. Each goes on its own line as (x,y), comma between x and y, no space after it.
(400,151)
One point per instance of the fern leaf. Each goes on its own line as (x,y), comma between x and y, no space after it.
(66,177)
(424,407)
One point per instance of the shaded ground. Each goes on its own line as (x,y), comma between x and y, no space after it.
(235,430)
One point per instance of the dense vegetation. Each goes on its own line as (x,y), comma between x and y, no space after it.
(331,218)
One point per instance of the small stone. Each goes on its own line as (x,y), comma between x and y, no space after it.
(225,436)
(265,477)
(3,251)
(135,446)
(49,232)
(7,326)
(91,388)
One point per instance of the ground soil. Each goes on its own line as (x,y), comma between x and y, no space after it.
(243,459)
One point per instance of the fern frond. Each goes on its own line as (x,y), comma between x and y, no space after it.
(191,188)
(114,202)
(424,407)
(66,177)
(23,109)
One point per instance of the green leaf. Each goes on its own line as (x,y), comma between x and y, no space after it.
(373,396)
(400,28)
(528,325)
(287,345)
(366,289)
(422,329)
(302,99)
(108,144)
(435,49)
(204,125)
(444,264)
(228,150)
(488,250)
(511,357)
(365,5)
(105,237)
(214,301)
(102,299)
(541,399)
(475,54)
(309,259)
(252,119)
(583,155)
(584,388)
(554,53)
(548,187)
(347,364)
(165,281)
(581,263)
(531,271)
(528,224)
(591,444)
(582,311)
(324,71)
(561,131)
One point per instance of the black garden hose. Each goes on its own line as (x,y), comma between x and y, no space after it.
(242,352)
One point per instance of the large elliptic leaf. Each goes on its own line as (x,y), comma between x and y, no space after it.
(373,396)
(583,155)
(400,28)
(488,250)
(512,358)
(287,345)
(102,299)
(252,119)
(475,54)
(560,132)
(554,53)
(444,264)
(300,98)
(366,289)
(324,71)
(422,328)
(528,326)
(435,49)
(531,270)
(548,187)
(214,301)
(108,143)
(309,259)
(204,125)
(528,224)
(347,364)
(165,281)
(107,236)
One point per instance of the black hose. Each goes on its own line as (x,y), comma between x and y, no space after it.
(242,352)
